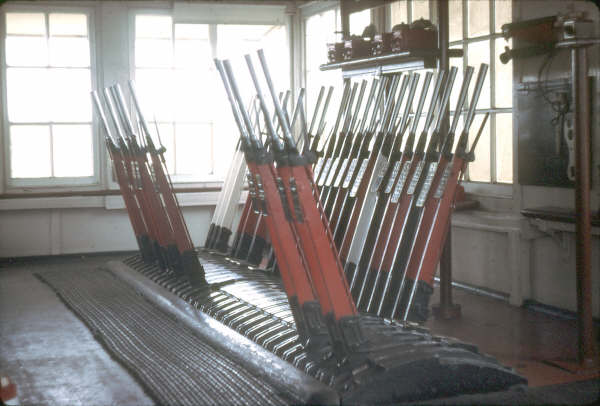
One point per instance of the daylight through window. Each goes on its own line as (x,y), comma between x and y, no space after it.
(48,76)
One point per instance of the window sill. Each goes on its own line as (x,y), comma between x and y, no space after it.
(496,190)
(104,199)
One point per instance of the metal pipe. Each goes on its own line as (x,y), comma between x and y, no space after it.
(122,108)
(348,112)
(382,86)
(443,112)
(286,128)
(476,93)
(234,110)
(462,97)
(363,86)
(316,112)
(390,102)
(396,110)
(435,96)
(103,119)
(138,108)
(424,91)
(324,112)
(113,113)
(345,97)
(372,90)
(587,351)
(411,95)
(298,107)
(236,93)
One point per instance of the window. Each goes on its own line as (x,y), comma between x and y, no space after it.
(408,11)
(359,21)
(319,29)
(475,27)
(48,111)
(182,95)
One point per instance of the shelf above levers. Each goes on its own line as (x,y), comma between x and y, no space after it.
(386,64)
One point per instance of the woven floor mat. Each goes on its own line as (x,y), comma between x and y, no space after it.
(174,365)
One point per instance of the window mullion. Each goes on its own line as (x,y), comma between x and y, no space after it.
(48,68)
(212,148)
(213,39)
(493,175)
(174,123)
(47,23)
(51,150)
(465,44)
(174,146)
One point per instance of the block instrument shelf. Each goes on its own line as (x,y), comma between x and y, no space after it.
(391,63)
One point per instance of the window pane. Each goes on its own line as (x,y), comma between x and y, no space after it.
(230,35)
(398,13)
(194,149)
(503,13)
(318,28)
(25,23)
(458,62)
(322,25)
(455,10)
(277,54)
(154,53)
(27,95)
(190,85)
(26,51)
(68,24)
(193,53)
(358,21)
(69,52)
(70,95)
(30,151)
(479,17)
(504,79)
(155,93)
(191,31)
(316,53)
(478,53)
(72,149)
(153,26)
(223,146)
(504,149)
(479,170)
(236,40)
(420,9)
(167,140)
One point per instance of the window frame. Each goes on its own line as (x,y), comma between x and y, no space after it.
(493,186)
(40,184)
(212,22)
(308,11)
(489,189)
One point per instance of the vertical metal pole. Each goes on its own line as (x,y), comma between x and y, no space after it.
(445,309)
(345,20)
(587,352)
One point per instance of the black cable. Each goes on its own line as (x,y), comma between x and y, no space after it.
(561,109)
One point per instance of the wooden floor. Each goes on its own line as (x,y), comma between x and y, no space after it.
(526,340)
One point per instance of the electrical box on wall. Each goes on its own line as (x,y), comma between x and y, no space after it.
(546,139)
